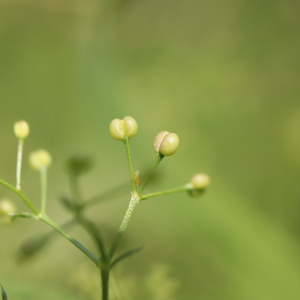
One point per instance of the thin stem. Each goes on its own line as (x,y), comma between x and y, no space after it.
(74,184)
(171,191)
(158,159)
(43,173)
(48,221)
(19,163)
(105,283)
(21,195)
(126,143)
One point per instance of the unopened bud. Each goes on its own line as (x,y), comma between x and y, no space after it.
(158,140)
(166,143)
(6,208)
(21,129)
(118,129)
(200,181)
(130,126)
(40,159)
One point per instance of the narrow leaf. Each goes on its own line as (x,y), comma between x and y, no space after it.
(67,203)
(4,296)
(126,254)
(95,233)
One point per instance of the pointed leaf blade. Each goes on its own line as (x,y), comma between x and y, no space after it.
(4,296)
(125,255)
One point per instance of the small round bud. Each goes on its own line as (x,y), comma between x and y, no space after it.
(21,129)
(158,140)
(168,145)
(6,207)
(200,181)
(116,129)
(130,126)
(40,159)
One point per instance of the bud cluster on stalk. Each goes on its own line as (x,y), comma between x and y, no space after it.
(121,128)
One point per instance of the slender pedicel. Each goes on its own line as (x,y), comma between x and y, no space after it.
(21,130)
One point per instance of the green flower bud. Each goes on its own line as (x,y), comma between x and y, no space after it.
(200,181)
(6,207)
(21,129)
(118,129)
(166,143)
(40,159)
(130,126)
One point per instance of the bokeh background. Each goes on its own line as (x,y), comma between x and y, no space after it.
(224,76)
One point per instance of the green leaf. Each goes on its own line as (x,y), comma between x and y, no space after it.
(126,254)
(31,247)
(91,228)
(4,296)
(67,204)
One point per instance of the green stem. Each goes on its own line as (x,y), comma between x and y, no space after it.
(21,195)
(105,283)
(74,184)
(19,163)
(171,191)
(158,159)
(126,143)
(134,201)
(48,221)
(43,174)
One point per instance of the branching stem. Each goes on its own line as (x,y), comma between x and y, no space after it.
(21,195)
(48,221)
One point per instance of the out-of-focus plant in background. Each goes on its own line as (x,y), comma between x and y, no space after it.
(224,77)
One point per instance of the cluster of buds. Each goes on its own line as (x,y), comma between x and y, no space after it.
(165,144)
(121,128)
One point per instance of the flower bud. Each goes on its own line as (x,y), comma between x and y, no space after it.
(6,207)
(158,140)
(118,129)
(21,129)
(130,126)
(200,181)
(166,143)
(40,159)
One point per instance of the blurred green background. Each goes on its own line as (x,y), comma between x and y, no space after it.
(224,76)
